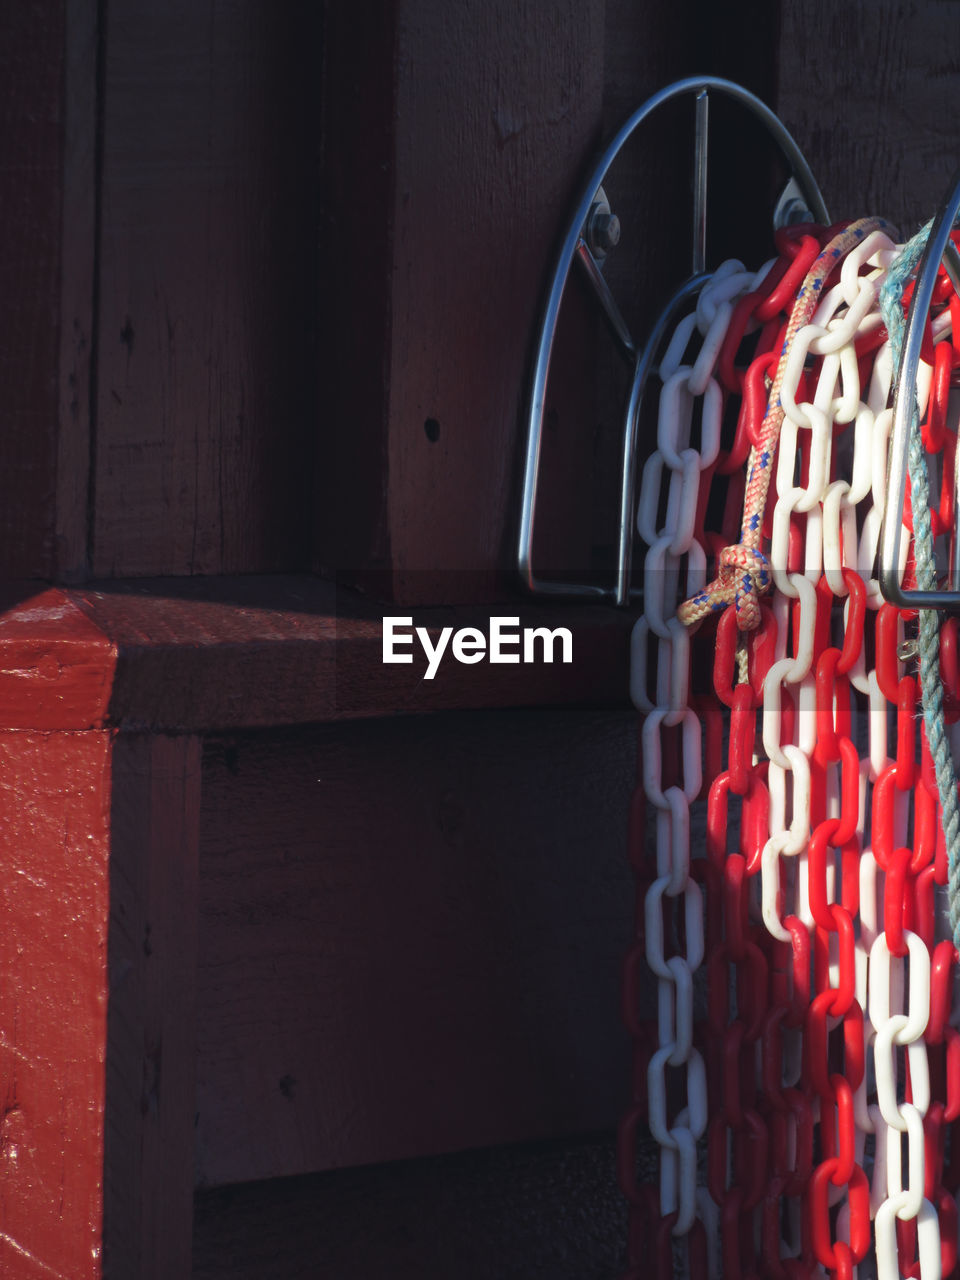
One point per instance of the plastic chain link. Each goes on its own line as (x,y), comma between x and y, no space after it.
(825,1083)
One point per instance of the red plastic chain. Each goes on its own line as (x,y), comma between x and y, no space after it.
(788,1039)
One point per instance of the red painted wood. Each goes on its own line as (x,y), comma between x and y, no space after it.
(56,666)
(54,897)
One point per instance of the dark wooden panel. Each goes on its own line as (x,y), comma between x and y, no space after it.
(871,92)
(508,1214)
(357,180)
(78,315)
(497,106)
(494,108)
(410,939)
(151,1038)
(206,372)
(47,60)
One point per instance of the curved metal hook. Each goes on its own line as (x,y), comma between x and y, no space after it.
(939,248)
(575,245)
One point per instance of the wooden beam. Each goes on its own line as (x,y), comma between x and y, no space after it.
(152,1029)
(206,387)
(47,249)
(56,666)
(492,110)
(199,655)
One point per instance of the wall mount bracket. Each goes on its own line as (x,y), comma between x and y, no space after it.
(801,200)
(939,249)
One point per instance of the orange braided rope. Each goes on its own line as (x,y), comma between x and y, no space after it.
(743,570)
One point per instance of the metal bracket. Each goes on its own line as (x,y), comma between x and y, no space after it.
(602,228)
(939,249)
(585,233)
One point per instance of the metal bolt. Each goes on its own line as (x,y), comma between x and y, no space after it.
(602,227)
(606,232)
(908,650)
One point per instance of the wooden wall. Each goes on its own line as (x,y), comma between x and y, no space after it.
(268,277)
(47,112)
(206,412)
(269,290)
(552,1209)
(871,95)
(410,938)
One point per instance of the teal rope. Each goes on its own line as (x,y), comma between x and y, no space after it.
(931,686)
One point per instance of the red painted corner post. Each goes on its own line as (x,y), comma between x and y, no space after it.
(98,845)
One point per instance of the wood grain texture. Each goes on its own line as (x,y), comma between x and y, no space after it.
(355,287)
(494,108)
(550,1209)
(78,240)
(501,103)
(47,251)
(871,97)
(206,410)
(32,41)
(410,938)
(151,1044)
(54,894)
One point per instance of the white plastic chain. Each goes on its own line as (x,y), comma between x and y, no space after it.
(847,312)
(843,523)
(675,566)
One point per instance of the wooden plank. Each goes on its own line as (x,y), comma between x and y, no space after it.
(47,246)
(182,655)
(56,666)
(78,238)
(151,1044)
(505,116)
(494,108)
(411,935)
(355,284)
(550,1209)
(54,898)
(238,652)
(871,92)
(32,41)
(206,387)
